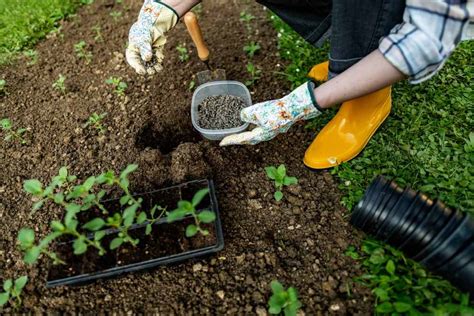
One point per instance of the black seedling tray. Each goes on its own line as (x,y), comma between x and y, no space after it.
(113,257)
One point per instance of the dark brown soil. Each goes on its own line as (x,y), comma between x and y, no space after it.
(299,241)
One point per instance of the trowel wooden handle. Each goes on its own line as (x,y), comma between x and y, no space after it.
(194,30)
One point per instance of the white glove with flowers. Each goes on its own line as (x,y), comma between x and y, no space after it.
(147,35)
(276,116)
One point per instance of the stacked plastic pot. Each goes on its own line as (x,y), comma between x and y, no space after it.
(440,238)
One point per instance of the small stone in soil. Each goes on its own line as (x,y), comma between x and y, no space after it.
(220,112)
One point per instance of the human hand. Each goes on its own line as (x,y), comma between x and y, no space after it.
(147,37)
(276,116)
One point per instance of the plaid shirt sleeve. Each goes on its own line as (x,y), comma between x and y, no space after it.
(431,29)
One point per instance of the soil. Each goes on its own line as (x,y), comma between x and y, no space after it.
(220,112)
(299,241)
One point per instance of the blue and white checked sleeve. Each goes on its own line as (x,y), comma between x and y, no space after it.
(431,29)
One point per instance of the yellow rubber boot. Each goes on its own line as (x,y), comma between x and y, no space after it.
(346,135)
(320,72)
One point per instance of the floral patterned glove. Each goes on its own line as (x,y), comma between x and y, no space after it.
(276,116)
(147,35)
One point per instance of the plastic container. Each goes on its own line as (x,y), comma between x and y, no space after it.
(215,88)
(183,190)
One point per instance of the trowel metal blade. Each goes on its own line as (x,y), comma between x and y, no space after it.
(208,76)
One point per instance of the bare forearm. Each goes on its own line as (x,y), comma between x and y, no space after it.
(181,6)
(370,74)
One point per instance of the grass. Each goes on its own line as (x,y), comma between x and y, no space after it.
(24,22)
(426,143)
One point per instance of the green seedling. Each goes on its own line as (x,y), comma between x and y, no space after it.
(116,15)
(183,52)
(246,18)
(76,197)
(187,208)
(251,49)
(3,83)
(82,53)
(98,33)
(11,133)
(59,84)
(32,55)
(119,85)
(13,290)
(278,175)
(95,121)
(255,74)
(282,300)
(192,85)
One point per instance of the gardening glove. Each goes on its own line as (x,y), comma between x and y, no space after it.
(147,35)
(276,116)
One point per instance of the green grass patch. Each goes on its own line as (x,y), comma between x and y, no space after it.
(426,143)
(24,22)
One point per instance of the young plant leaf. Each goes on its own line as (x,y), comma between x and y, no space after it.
(185,205)
(199,196)
(176,215)
(26,237)
(129,214)
(94,225)
(129,169)
(390,267)
(33,187)
(207,217)
(281,171)
(271,172)
(191,230)
(63,172)
(385,307)
(7,285)
(79,246)
(57,226)
(115,243)
(124,200)
(278,196)
(141,218)
(148,229)
(276,287)
(20,283)
(58,198)
(107,178)
(401,307)
(49,238)
(4,297)
(290,181)
(88,184)
(31,255)
(99,235)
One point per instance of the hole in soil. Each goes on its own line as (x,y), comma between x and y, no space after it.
(165,139)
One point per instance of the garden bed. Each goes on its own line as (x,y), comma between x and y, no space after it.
(299,241)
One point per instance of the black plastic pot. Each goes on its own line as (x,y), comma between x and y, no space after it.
(164,197)
(440,238)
